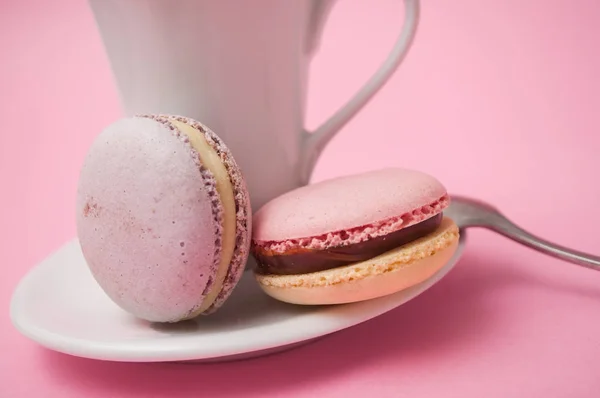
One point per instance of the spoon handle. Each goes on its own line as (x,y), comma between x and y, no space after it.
(504,226)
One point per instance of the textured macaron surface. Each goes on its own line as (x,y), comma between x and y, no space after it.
(385,274)
(392,261)
(148,219)
(243,215)
(348,209)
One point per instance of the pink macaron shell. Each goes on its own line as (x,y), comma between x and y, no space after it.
(243,218)
(146,220)
(365,205)
(243,214)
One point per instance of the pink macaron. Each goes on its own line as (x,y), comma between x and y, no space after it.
(353,238)
(163,217)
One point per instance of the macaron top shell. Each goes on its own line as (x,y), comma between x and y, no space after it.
(348,209)
(146,208)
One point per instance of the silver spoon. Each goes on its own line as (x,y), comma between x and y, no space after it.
(467,213)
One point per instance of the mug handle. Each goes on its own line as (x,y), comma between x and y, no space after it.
(315,142)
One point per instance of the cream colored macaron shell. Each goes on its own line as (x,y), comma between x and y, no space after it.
(382,275)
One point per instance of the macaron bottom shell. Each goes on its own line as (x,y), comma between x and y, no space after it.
(385,274)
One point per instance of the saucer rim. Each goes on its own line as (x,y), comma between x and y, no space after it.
(239,348)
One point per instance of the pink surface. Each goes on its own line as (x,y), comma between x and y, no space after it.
(503,97)
(349,209)
(144,205)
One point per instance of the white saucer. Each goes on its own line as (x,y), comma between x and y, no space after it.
(60,306)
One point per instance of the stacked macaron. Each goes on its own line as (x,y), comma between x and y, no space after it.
(353,238)
(163,217)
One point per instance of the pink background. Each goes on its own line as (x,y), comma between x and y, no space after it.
(498,99)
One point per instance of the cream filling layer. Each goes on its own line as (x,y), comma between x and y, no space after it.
(210,159)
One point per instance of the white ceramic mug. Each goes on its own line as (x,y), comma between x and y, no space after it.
(241,68)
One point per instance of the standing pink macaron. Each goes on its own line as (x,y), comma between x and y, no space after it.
(353,238)
(163,217)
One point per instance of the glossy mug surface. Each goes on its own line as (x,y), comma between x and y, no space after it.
(241,68)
